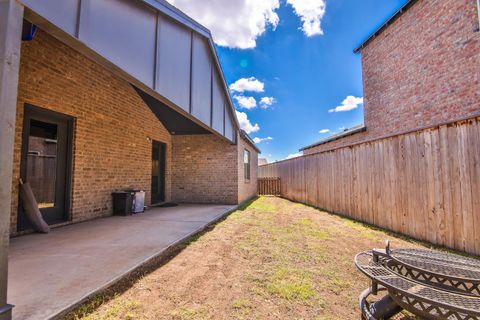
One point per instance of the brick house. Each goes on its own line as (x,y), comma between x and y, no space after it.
(98,104)
(420,69)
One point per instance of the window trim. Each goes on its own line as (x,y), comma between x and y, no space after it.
(247,165)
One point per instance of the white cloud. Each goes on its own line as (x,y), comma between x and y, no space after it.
(294,155)
(260,140)
(348,104)
(246,102)
(311,13)
(323,131)
(245,124)
(266,102)
(233,23)
(247,84)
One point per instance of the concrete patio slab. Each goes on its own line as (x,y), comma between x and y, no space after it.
(49,274)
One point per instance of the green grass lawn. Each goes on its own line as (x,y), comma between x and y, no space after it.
(272,259)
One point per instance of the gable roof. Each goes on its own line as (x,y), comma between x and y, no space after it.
(382,28)
(135,39)
(175,13)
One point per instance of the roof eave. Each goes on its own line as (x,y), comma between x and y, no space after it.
(382,28)
(249,140)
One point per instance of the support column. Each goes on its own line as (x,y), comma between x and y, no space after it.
(11,17)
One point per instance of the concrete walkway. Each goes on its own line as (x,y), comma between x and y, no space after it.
(48,274)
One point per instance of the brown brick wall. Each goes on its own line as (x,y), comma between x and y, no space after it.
(111,150)
(247,189)
(204,170)
(112,136)
(421,71)
(207,169)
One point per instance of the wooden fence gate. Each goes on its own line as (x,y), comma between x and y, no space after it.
(269,186)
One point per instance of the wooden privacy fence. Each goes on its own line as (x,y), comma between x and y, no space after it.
(424,184)
(269,186)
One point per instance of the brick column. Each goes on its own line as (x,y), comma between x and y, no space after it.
(11,17)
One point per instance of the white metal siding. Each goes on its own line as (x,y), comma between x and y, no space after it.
(201,79)
(229,127)
(61,13)
(122,31)
(218,105)
(173,64)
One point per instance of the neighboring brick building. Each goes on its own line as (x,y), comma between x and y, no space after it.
(420,69)
(112,126)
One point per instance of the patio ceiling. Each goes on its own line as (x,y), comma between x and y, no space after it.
(155,47)
(174,122)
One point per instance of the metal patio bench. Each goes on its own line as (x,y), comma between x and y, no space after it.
(429,284)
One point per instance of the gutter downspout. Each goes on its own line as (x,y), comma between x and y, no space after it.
(11,20)
(478,12)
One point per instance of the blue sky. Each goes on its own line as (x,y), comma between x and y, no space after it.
(305,72)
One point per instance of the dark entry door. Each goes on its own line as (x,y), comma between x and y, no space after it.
(46,163)
(158,172)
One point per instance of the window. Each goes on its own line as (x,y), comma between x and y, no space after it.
(246,164)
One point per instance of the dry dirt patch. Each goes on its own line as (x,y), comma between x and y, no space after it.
(274,259)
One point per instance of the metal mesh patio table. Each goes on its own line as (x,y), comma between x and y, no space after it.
(429,284)
(448,271)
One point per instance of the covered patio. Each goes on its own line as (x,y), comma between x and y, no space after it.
(50,274)
(89,106)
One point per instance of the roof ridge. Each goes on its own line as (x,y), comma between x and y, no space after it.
(175,13)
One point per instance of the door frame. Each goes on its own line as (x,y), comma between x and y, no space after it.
(163,171)
(41,113)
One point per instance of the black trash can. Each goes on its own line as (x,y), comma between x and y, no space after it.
(123,202)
